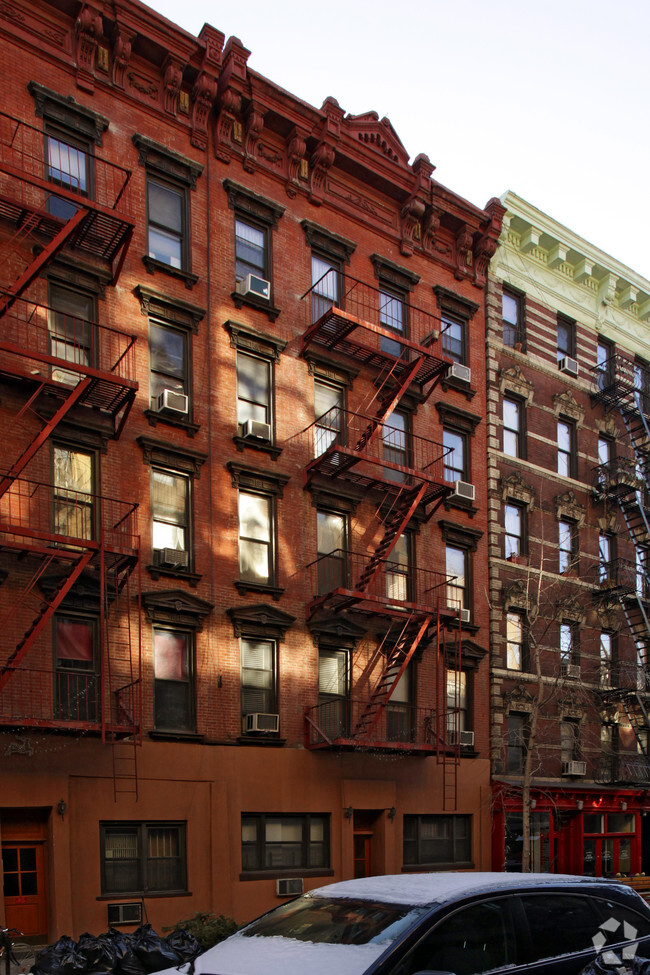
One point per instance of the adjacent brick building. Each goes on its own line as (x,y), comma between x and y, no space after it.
(567,483)
(243,523)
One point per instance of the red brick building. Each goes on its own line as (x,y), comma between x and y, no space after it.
(243,527)
(567,481)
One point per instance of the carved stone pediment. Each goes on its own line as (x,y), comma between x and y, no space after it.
(570,608)
(609,615)
(564,404)
(174,607)
(512,380)
(321,239)
(378,134)
(260,620)
(334,632)
(519,698)
(517,596)
(608,523)
(566,506)
(570,705)
(163,453)
(471,654)
(515,488)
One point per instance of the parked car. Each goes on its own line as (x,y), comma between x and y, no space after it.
(463,923)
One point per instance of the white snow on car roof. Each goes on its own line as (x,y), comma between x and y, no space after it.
(436,888)
(240,955)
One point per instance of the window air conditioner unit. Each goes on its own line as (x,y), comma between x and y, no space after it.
(175,557)
(568,365)
(459,371)
(465,616)
(574,768)
(125,913)
(463,738)
(464,490)
(571,670)
(170,400)
(266,723)
(252,285)
(256,430)
(289,887)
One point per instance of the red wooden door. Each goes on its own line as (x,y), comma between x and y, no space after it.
(24,887)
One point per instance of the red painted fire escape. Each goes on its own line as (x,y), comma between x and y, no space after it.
(406,606)
(62,540)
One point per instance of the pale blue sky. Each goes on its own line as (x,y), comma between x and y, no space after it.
(547,99)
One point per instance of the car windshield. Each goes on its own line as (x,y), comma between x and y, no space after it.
(325,920)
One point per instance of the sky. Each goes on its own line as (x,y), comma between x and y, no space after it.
(547,99)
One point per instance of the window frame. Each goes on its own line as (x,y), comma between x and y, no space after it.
(262,214)
(142,834)
(514,333)
(264,269)
(570,744)
(521,643)
(518,432)
(91,505)
(342,573)
(387,294)
(307,867)
(569,643)
(511,550)
(272,670)
(568,348)
(567,554)
(448,322)
(186,524)
(61,206)
(270,542)
(449,458)
(184,379)
(92,691)
(334,707)
(269,405)
(605,363)
(459,844)
(517,741)
(57,292)
(567,458)
(189,727)
(452,587)
(334,432)
(182,235)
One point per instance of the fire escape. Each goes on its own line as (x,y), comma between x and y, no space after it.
(62,543)
(622,385)
(404,607)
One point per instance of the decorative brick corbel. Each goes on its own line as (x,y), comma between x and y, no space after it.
(172,79)
(486,246)
(296,148)
(88,29)
(122,44)
(321,160)
(254,125)
(463,249)
(204,90)
(227,129)
(414,209)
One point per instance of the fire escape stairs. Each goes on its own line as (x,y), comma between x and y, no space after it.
(637,715)
(398,518)
(397,659)
(48,609)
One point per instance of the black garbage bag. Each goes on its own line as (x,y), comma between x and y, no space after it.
(100,954)
(186,944)
(153,951)
(128,962)
(61,958)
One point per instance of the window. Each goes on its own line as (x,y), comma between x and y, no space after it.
(456,456)
(513,428)
(605,364)
(566,466)
(143,858)
(515,641)
(606,645)
(399,715)
(517,743)
(331,549)
(437,840)
(256,548)
(168,362)
(570,740)
(606,566)
(254,385)
(395,440)
(329,406)
(74,502)
(392,315)
(457,710)
(77,687)
(173,669)
(71,332)
(68,166)
(568,546)
(453,338)
(568,644)
(333,692)
(513,516)
(642,385)
(166,223)
(566,338)
(456,560)
(398,570)
(284,841)
(513,323)
(170,505)
(258,691)
(325,286)
(251,250)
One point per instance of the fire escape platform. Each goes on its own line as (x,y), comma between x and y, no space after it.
(403,730)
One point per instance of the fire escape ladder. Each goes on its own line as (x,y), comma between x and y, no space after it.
(40,261)
(449,752)
(74,396)
(396,661)
(392,387)
(398,518)
(40,622)
(638,624)
(637,715)
(125,766)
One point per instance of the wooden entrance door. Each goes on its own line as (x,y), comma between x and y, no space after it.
(24,890)
(362,854)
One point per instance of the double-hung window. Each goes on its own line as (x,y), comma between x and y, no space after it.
(513,318)
(255,219)
(515,641)
(398,570)
(168,368)
(166,223)
(331,549)
(569,653)
(173,664)
(513,515)
(279,841)
(606,658)
(453,338)
(258,676)
(325,286)
(254,395)
(143,858)
(568,545)
(517,743)
(435,840)
(395,441)
(72,334)
(334,691)
(456,560)
(566,448)
(455,445)
(68,166)
(77,688)
(392,316)
(256,549)
(641,370)
(251,250)
(457,701)
(566,338)
(329,406)
(74,487)
(513,427)
(570,740)
(170,517)
(605,364)
(399,713)
(606,566)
